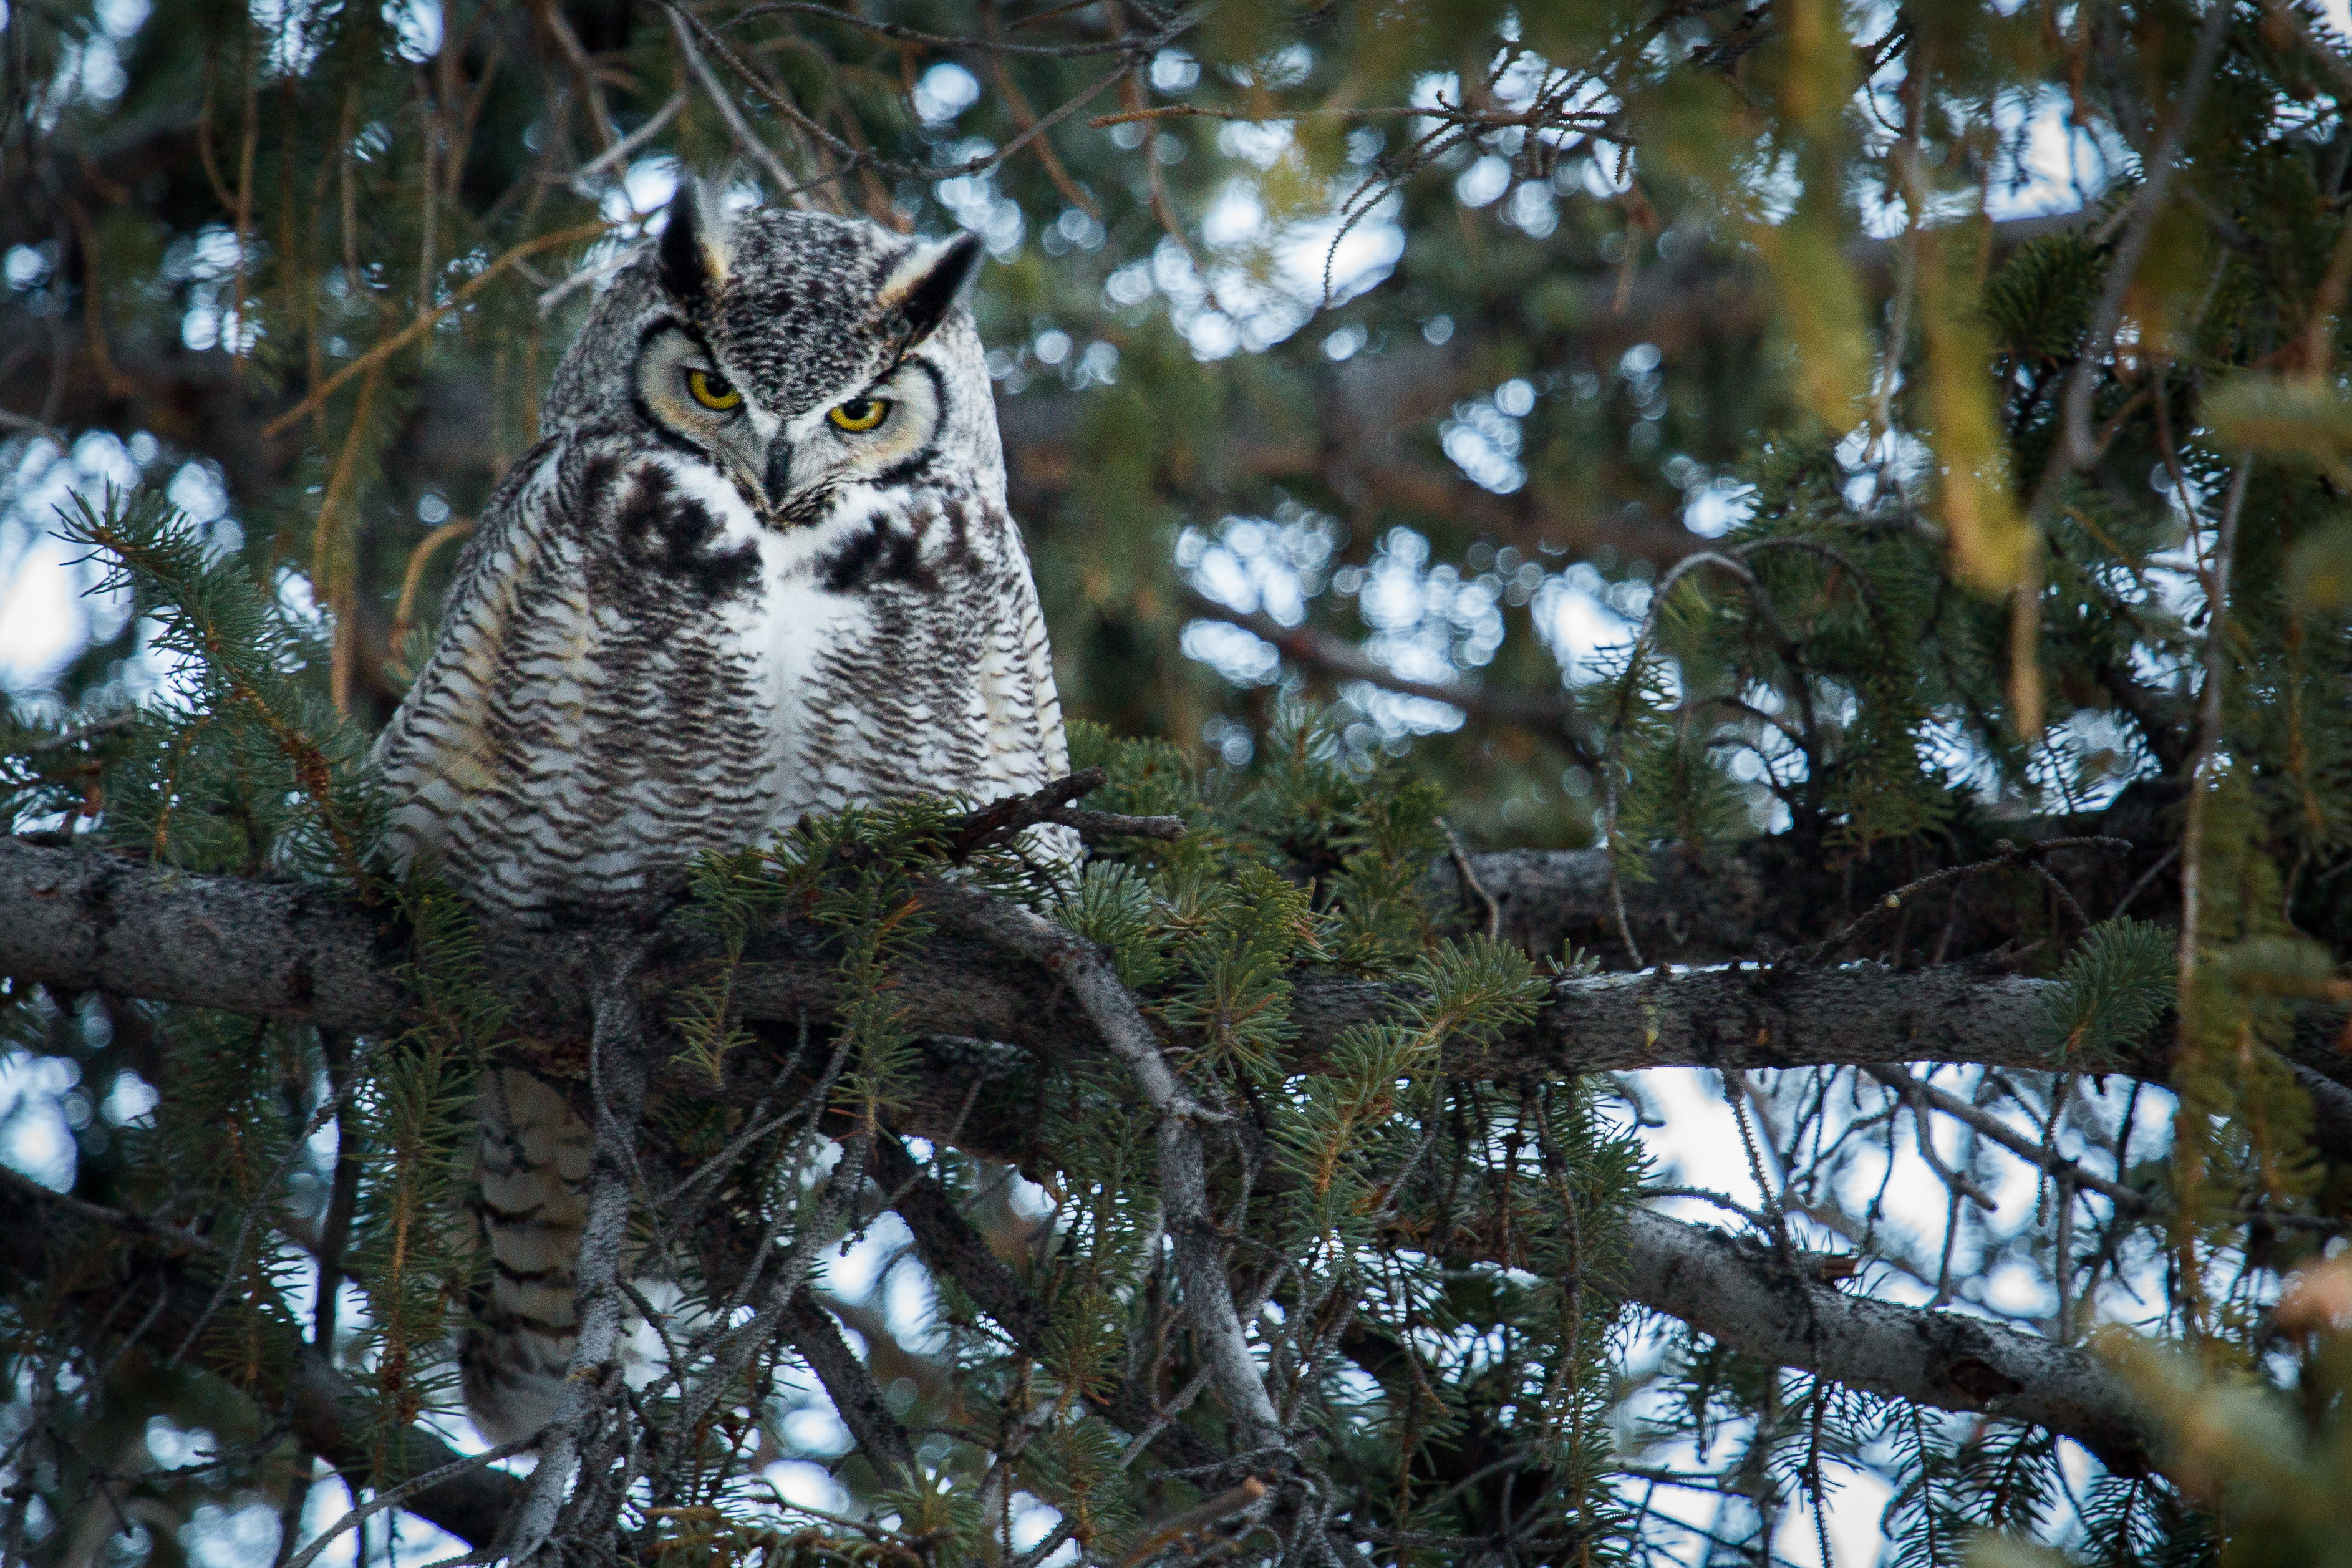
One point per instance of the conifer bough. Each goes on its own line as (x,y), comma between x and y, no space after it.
(79,921)
(1999,515)
(87,921)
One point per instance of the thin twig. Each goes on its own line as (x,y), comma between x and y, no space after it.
(567,43)
(1617,897)
(1113,1010)
(2132,895)
(1916,1089)
(724,102)
(1095,826)
(1551,712)
(424,323)
(403,1492)
(901,33)
(1002,819)
(1199,1516)
(2075,448)
(1024,116)
(294,1149)
(1470,882)
(550,298)
(2010,854)
(2209,715)
(96,729)
(623,149)
(449,532)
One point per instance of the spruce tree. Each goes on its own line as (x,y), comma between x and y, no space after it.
(1769,582)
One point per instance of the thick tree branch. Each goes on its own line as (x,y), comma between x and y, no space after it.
(1748,1297)
(86,921)
(90,922)
(1771,896)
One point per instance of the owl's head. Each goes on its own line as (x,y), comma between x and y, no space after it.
(804,355)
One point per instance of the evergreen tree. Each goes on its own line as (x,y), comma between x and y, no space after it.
(1947,819)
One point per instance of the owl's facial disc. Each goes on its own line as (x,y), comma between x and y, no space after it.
(820,391)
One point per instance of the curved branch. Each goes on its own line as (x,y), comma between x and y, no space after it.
(1745,1295)
(1183,1184)
(1334,658)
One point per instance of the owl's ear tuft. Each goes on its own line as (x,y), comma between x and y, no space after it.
(922,290)
(692,252)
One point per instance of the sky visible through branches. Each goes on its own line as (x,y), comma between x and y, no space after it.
(1950,1183)
(1426,622)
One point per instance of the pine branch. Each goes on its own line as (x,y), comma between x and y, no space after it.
(1208,1301)
(952,1249)
(852,1389)
(1000,820)
(1746,1295)
(87,1264)
(86,921)
(1334,658)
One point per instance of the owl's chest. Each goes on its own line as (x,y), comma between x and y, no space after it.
(621,691)
(880,653)
(666,559)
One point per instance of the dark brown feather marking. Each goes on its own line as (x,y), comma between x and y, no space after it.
(673,532)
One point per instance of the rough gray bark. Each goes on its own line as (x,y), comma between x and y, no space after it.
(1774,895)
(852,1389)
(84,922)
(1752,1299)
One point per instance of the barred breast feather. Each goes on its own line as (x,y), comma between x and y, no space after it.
(576,740)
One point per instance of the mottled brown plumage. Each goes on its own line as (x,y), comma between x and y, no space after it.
(713,599)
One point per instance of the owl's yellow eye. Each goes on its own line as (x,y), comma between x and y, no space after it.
(860,414)
(714,391)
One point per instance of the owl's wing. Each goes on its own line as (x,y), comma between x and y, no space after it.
(1027,744)
(435,754)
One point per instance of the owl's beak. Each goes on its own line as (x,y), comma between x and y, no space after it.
(778,481)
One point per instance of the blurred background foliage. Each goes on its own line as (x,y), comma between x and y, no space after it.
(1670,424)
(1449,388)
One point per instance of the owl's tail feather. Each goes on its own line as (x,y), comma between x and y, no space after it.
(531,1166)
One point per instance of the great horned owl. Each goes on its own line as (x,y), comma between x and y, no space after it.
(759,566)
